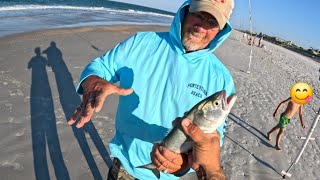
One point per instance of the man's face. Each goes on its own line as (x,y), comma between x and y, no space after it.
(198,30)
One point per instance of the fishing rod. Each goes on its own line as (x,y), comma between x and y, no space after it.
(92,45)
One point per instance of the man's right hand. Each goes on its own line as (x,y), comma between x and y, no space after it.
(206,148)
(205,156)
(95,91)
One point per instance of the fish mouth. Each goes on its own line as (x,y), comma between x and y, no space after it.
(227,103)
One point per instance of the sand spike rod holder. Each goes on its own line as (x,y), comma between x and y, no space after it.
(314,124)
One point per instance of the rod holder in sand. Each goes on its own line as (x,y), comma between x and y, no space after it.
(314,124)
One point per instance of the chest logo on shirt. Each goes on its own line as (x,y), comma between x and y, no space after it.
(197,90)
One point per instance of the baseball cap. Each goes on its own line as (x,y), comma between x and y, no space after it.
(220,9)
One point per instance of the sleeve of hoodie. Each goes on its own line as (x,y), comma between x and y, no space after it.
(106,66)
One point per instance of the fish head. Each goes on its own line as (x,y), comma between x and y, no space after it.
(214,110)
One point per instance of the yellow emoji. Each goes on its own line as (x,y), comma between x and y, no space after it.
(301,93)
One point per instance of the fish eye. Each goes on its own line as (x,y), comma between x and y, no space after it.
(298,90)
(216,103)
(305,90)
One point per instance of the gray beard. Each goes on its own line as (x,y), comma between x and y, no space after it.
(188,44)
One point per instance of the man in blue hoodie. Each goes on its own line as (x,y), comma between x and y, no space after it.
(161,75)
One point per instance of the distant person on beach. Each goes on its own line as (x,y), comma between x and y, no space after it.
(161,75)
(250,40)
(260,45)
(285,118)
(260,36)
(254,40)
(244,35)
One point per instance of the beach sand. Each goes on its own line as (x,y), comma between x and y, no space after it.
(36,100)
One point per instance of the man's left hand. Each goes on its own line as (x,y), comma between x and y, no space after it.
(168,161)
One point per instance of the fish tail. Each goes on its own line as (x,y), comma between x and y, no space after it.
(152,167)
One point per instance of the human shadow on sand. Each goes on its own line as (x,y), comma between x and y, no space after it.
(43,122)
(69,100)
(261,136)
(254,156)
(242,123)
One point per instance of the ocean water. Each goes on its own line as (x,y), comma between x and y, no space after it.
(18,16)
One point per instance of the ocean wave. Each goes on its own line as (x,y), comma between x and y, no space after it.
(63,7)
(41,7)
(17,18)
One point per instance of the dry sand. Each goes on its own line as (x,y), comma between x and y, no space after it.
(36,100)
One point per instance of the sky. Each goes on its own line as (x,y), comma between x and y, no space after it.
(294,20)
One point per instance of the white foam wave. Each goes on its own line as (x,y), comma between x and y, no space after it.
(41,7)
(45,7)
(150,13)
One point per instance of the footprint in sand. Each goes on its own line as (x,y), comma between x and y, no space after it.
(12,163)
(18,134)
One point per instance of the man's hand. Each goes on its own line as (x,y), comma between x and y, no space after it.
(95,91)
(206,148)
(168,161)
(302,125)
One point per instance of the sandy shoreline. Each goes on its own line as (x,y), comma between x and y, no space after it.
(63,152)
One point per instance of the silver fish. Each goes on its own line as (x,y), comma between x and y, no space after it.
(208,115)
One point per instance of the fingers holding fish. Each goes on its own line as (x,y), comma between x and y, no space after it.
(166,166)
(165,160)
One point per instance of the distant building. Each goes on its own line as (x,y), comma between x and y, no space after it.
(280,40)
(285,42)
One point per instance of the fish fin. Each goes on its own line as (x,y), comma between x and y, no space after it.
(151,167)
(156,172)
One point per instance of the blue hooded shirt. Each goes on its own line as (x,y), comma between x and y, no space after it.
(166,81)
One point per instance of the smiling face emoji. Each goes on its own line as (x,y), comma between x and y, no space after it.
(301,93)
